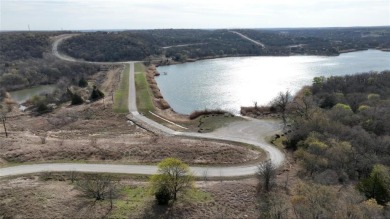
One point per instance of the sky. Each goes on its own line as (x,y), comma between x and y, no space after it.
(210,14)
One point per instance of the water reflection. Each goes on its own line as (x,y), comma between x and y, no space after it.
(21,96)
(229,83)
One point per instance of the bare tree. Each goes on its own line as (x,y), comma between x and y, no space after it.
(266,174)
(303,105)
(4,110)
(273,205)
(280,103)
(98,186)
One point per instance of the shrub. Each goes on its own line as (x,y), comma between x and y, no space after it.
(83,82)
(343,106)
(174,176)
(377,185)
(96,94)
(198,113)
(77,100)
(163,196)
(42,107)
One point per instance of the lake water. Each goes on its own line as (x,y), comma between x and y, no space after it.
(229,83)
(21,96)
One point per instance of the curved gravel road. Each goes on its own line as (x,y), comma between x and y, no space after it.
(249,131)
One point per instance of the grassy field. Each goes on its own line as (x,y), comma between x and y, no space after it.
(143,93)
(210,123)
(121,96)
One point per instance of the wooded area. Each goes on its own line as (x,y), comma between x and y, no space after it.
(341,129)
(26,61)
(200,44)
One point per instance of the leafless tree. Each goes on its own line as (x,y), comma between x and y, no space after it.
(205,175)
(266,174)
(4,110)
(304,105)
(280,103)
(73,176)
(98,186)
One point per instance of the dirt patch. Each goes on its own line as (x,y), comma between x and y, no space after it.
(28,197)
(108,80)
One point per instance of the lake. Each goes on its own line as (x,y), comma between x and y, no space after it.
(229,83)
(21,96)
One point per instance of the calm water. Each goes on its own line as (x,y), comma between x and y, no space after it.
(229,83)
(22,96)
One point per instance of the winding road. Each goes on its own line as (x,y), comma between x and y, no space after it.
(249,131)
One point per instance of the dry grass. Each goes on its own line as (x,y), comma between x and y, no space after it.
(96,134)
(29,197)
(131,148)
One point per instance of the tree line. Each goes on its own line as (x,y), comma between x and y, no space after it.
(340,131)
(26,61)
(141,44)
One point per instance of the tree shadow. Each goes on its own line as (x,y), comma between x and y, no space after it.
(155,211)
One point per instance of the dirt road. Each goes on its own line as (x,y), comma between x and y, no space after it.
(247,38)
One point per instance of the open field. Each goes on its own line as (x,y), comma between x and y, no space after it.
(94,133)
(121,95)
(54,196)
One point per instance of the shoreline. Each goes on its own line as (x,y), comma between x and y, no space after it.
(167,62)
(262,116)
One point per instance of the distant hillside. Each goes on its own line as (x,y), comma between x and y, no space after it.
(26,61)
(183,44)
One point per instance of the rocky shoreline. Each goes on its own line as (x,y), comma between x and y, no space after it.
(158,99)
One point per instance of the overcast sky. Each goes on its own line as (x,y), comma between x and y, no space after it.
(151,14)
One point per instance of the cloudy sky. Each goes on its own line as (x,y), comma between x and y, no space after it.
(150,14)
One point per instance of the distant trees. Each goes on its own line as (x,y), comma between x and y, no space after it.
(23,63)
(172,178)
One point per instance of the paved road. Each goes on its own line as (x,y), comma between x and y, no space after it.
(247,38)
(250,131)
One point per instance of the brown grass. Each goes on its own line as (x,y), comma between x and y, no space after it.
(94,133)
(132,148)
(29,197)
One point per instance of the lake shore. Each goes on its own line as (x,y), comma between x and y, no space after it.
(167,61)
(231,82)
